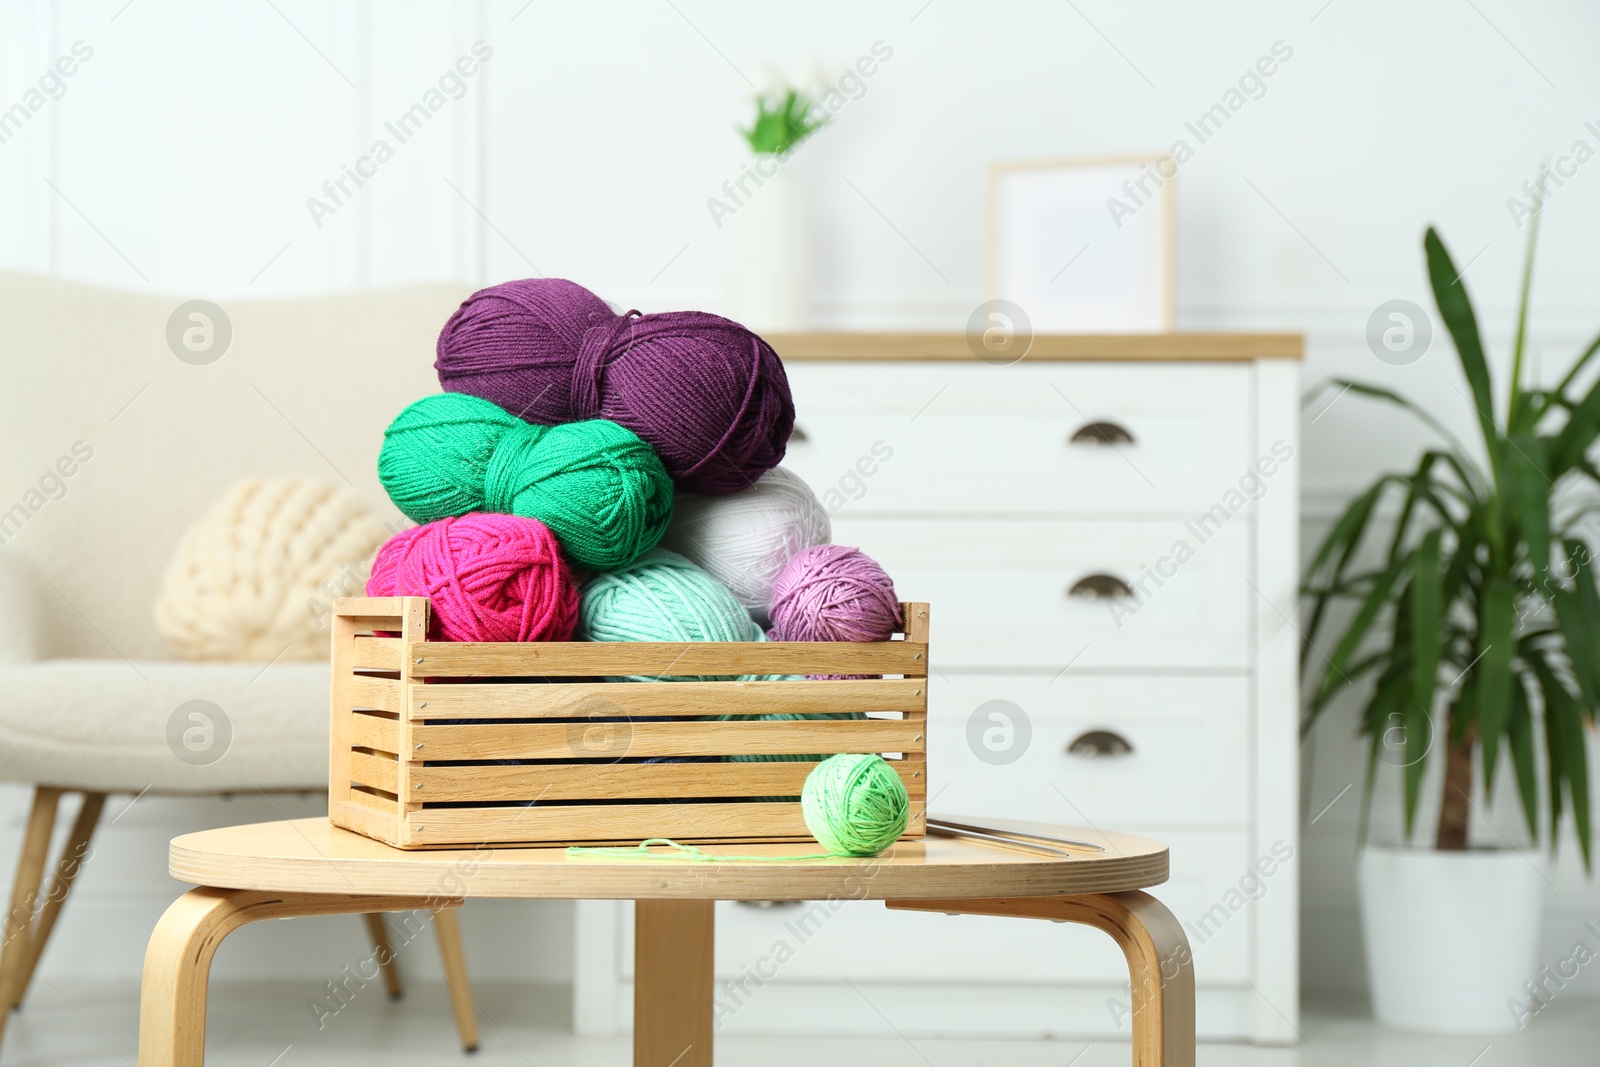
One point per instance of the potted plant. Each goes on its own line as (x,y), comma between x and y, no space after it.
(1477,621)
(770,263)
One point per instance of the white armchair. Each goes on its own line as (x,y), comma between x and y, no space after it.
(120,431)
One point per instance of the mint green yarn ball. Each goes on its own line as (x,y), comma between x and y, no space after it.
(855,805)
(663,597)
(600,489)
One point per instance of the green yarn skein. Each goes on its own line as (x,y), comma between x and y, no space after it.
(602,491)
(663,597)
(855,805)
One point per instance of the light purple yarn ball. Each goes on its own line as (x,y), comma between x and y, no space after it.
(834,593)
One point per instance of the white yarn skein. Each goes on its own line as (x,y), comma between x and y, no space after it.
(254,578)
(744,539)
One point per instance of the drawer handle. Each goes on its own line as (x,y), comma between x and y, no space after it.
(763,905)
(1097,743)
(1100,433)
(798,435)
(1100,587)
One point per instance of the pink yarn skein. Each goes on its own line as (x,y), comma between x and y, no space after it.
(833,593)
(489,578)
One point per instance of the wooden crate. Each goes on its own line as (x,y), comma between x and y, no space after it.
(439,744)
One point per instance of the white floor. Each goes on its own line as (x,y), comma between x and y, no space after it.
(271,1025)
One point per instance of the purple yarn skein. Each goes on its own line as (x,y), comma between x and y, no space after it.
(707,394)
(515,345)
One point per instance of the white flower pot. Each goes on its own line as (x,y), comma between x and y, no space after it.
(769,264)
(1450,936)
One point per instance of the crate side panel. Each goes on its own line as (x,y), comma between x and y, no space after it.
(626,781)
(443,659)
(620,823)
(619,740)
(599,700)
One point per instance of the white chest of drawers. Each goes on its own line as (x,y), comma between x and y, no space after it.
(1107,533)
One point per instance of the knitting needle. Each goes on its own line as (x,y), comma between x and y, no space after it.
(943,830)
(1021,835)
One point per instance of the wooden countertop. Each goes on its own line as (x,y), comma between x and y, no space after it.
(1130,347)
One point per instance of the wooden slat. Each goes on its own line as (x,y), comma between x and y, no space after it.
(376,654)
(375,772)
(956,347)
(373,802)
(382,694)
(387,607)
(617,781)
(592,700)
(413,630)
(599,823)
(373,623)
(375,732)
(341,698)
(915,615)
(442,659)
(613,741)
(625,781)
(913,772)
(361,814)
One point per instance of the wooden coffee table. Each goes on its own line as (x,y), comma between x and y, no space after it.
(308,867)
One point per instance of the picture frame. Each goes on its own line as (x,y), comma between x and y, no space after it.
(1086,245)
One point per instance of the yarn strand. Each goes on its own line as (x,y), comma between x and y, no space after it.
(689,852)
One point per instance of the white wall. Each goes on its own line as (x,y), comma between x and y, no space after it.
(183,152)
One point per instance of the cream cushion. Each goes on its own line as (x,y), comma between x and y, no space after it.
(108,725)
(253,576)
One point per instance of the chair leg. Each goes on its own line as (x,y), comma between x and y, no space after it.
(447,925)
(1160,966)
(177,965)
(25,896)
(68,864)
(388,962)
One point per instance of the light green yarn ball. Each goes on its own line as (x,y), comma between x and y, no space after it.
(663,597)
(855,805)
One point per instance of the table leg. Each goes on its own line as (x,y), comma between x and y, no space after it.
(177,964)
(672,982)
(1160,967)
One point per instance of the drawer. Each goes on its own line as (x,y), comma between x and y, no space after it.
(1172,751)
(1002,590)
(1030,438)
(863,941)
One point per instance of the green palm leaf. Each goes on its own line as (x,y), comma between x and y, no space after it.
(1455,308)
